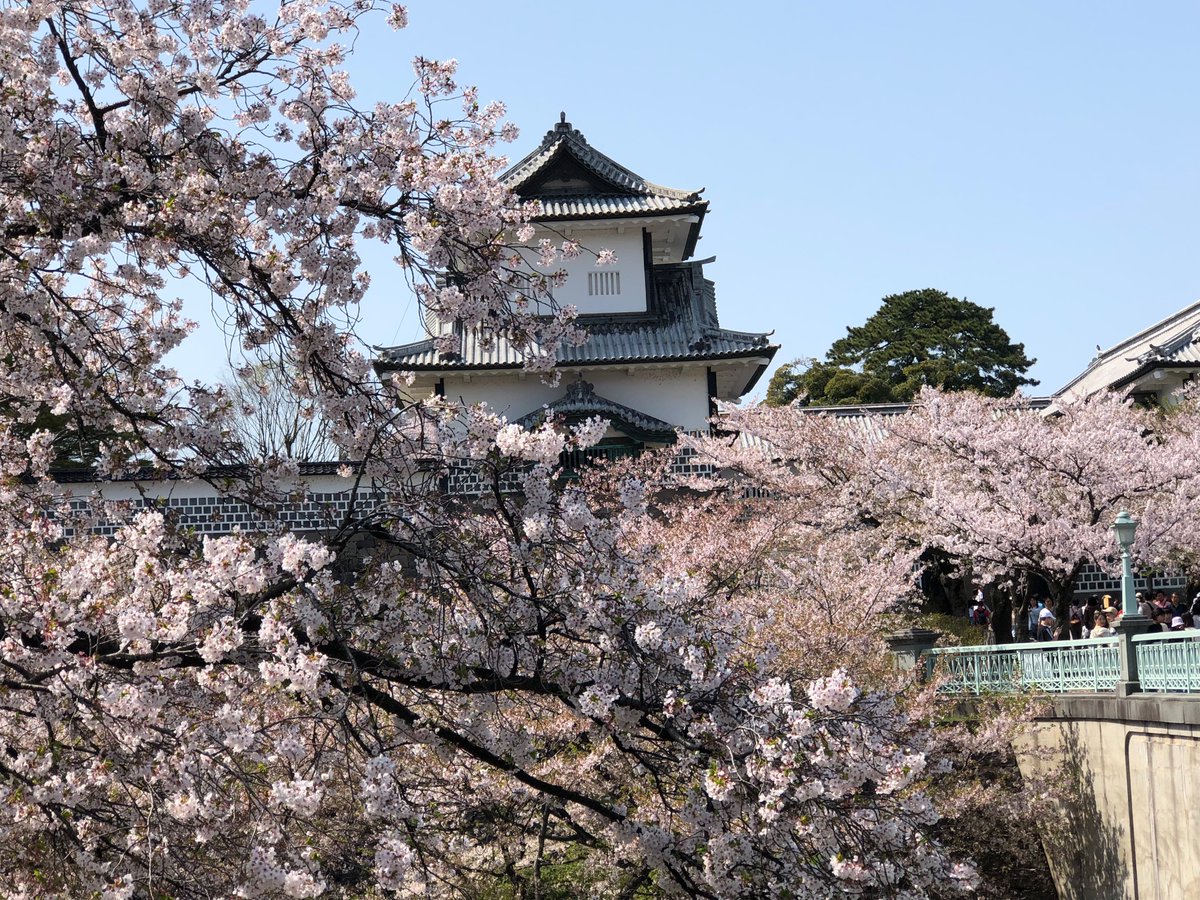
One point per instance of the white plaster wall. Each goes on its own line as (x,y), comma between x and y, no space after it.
(124,491)
(675,396)
(626,243)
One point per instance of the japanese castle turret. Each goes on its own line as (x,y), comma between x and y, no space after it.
(656,358)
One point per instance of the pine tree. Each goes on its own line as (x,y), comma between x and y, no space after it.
(915,339)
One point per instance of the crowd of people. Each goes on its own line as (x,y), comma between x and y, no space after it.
(1097,617)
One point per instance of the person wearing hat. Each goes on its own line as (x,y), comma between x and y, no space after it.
(1112,608)
(1045,629)
(1177,624)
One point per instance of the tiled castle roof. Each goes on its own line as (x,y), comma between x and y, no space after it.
(682,325)
(870,419)
(606,189)
(617,343)
(574,181)
(1173,343)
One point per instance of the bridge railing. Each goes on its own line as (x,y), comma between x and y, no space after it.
(1168,662)
(1165,662)
(1093,664)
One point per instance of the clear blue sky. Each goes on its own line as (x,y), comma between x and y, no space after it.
(1039,158)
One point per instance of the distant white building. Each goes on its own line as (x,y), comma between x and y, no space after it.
(1148,366)
(656,358)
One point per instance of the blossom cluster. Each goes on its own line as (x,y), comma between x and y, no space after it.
(435,688)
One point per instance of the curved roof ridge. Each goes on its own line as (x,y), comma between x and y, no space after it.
(581,400)
(563,137)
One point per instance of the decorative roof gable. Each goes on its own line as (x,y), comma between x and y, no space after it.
(574,180)
(581,402)
(1172,344)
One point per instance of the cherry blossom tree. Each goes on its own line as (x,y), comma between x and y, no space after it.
(495,682)
(1016,491)
(825,573)
(1001,487)
(809,536)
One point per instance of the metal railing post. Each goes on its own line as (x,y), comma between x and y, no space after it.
(1188,664)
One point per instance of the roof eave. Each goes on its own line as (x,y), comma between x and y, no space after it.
(767,351)
(689,248)
(760,369)
(1148,367)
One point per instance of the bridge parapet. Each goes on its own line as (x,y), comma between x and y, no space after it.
(1119,737)
(1128,802)
(1165,662)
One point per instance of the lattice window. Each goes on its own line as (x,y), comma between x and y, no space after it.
(604,284)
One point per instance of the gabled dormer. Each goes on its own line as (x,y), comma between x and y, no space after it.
(590,198)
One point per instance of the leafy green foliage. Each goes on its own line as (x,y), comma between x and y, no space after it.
(75,445)
(915,339)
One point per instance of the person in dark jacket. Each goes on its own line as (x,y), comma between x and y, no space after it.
(1089,612)
(1073,630)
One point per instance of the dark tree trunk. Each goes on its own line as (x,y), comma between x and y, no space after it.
(1022,589)
(1002,607)
(946,584)
(1063,594)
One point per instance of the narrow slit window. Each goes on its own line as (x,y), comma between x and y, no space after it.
(604,284)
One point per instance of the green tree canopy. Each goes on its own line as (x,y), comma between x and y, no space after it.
(915,339)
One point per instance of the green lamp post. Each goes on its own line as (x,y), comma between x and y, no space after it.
(1125,527)
(1132,621)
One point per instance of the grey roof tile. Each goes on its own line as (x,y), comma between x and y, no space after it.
(564,138)
(682,326)
(632,343)
(580,207)
(580,401)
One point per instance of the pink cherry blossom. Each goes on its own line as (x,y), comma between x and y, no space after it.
(438,687)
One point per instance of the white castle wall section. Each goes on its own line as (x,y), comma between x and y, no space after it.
(1092,580)
(616,288)
(676,395)
(322,502)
